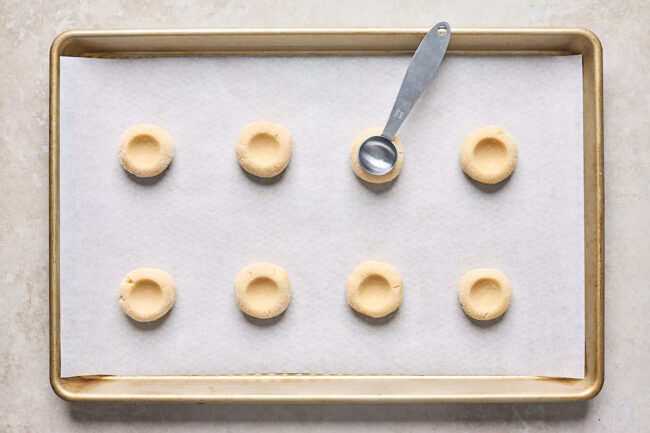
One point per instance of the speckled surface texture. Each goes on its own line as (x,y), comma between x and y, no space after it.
(27,403)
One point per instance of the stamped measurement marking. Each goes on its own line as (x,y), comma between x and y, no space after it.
(398,113)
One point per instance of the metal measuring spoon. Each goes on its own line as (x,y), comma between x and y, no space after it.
(378,154)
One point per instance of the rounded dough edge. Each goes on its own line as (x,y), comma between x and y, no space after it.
(264,168)
(263,270)
(473,169)
(166,152)
(364,270)
(356,166)
(160,277)
(470,308)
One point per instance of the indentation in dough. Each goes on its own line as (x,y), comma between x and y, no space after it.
(356,165)
(484,293)
(143,150)
(262,290)
(374,289)
(264,149)
(488,155)
(264,146)
(147,294)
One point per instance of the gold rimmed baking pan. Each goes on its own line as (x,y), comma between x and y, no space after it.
(344,388)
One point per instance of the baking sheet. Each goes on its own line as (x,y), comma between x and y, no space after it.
(204,219)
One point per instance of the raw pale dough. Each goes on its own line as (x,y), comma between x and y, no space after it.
(488,155)
(147,294)
(264,148)
(356,166)
(146,150)
(262,290)
(484,293)
(374,289)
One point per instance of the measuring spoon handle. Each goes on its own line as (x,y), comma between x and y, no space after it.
(423,67)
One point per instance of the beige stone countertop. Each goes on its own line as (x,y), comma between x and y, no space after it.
(28,404)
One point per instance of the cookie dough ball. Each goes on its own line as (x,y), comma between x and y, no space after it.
(374,289)
(484,293)
(488,155)
(262,290)
(264,149)
(147,294)
(356,166)
(146,150)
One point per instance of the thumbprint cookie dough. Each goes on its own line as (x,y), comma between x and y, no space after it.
(484,293)
(146,150)
(356,166)
(374,289)
(262,290)
(264,149)
(488,155)
(147,294)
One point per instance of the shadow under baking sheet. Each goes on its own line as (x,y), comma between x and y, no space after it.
(402,417)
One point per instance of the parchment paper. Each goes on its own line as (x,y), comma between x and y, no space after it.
(205,219)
